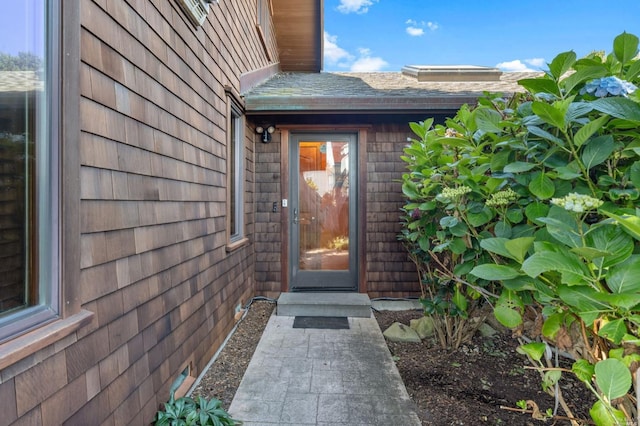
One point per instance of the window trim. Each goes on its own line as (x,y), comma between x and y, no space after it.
(236,186)
(65,173)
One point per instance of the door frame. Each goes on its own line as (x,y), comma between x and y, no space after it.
(361,197)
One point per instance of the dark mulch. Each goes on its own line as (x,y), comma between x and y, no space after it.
(467,386)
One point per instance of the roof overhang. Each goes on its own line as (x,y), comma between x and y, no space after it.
(378,92)
(299,32)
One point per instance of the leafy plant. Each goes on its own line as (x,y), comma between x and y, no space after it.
(529,204)
(186,411)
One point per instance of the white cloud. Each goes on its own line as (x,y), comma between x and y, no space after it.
(355,6)
(368,63)
(415,32)
(416,29)
(433,25)
(536,62)
(337,56)
(333,53)
(525,65)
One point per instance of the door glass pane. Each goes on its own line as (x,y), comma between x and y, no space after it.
(323,218)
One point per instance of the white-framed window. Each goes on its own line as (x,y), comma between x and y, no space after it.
(236,172)
(29,166)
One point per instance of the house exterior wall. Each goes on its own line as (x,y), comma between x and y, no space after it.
(154,266)
(387,272)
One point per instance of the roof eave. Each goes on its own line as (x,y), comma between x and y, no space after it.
(274,104)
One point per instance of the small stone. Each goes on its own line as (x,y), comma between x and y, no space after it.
(398,332)
(486,330)
(423,326)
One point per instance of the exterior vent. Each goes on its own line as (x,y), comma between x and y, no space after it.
(196,10)
(451,73)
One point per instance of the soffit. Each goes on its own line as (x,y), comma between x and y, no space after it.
(299,30)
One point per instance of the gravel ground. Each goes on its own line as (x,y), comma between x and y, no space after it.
(225,374)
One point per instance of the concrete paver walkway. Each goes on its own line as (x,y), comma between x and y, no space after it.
(322,377)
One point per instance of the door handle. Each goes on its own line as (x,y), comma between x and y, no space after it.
(295,216)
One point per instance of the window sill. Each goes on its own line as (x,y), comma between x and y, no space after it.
(231,247)
(21,347)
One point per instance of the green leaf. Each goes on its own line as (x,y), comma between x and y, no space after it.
(606,416)
(583,370)
(480,218)
(488,120)
(518,167)
(552,325)
(582,75)
(613,330)
(448,221)
(618,107)
(634,173)
(613,378)
(633,71)
(515,215)
(564,232)
(545,135)
(550,378)
(545,261)
(610,239)
(540,85)
(623,277)
(459,230)
(630,223)
(502,230)
(562,63)
(587,302)
(550,114)
(534,350)
(508,317)
(625,47)
(589,253)
(589,129)
(597,151)
(518,247)
(462,269)
(458,246)
(496,245)
(492,272)
(535,210)
(541,186)
(460,300)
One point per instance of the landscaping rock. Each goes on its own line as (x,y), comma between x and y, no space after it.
(486,330)
(398,332)
(423,326)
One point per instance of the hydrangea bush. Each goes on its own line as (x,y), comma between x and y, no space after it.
(529,205)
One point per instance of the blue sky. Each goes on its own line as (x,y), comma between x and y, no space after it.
(20,26)
(514,35)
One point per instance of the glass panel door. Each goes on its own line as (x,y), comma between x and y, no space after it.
(323,212)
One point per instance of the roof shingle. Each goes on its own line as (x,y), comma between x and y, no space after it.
(381,91)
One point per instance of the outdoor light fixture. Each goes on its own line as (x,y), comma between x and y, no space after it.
(266,132)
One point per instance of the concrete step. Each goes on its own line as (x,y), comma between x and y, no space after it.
(324,305)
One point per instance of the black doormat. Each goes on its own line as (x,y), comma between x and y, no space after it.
(330,323)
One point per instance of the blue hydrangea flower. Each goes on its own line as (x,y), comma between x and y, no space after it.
(605,86)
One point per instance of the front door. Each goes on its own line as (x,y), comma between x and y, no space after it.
(323,228)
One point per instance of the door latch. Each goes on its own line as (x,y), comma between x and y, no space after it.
(295,216)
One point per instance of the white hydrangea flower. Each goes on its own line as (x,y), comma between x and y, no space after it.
(577,203)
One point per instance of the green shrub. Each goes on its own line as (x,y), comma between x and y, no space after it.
(531,202)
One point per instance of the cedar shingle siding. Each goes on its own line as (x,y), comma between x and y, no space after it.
(388,271)
(154,266)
